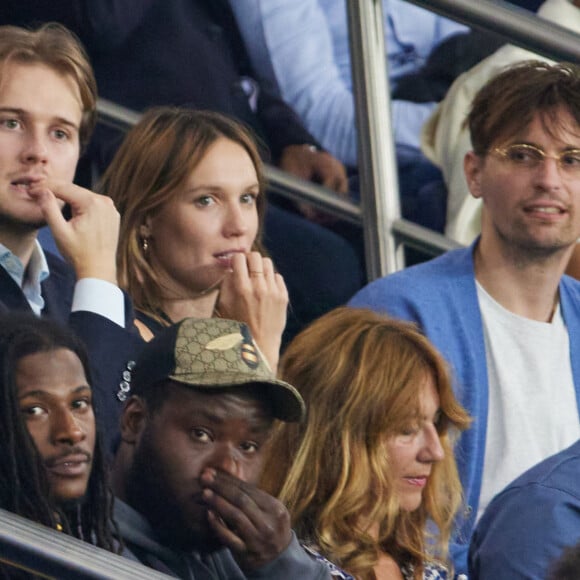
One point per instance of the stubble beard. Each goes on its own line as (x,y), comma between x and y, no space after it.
(525,249)
(20,226)
(145,487)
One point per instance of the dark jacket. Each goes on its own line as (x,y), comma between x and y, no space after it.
(109,346)
(141,545)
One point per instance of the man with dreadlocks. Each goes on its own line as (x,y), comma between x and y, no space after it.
(52,469)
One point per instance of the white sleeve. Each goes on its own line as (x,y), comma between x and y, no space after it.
(100,297)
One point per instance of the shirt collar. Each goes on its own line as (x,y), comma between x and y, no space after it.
(38,266)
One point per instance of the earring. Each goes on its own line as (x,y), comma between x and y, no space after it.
(145,245)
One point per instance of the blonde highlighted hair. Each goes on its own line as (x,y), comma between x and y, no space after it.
(155,159)
(361,375)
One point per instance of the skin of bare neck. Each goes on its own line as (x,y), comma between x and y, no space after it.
(523,285)
(386,568)
(200,307)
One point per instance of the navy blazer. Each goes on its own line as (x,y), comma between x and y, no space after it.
(110,347)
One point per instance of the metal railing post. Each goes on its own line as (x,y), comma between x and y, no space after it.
(376,151)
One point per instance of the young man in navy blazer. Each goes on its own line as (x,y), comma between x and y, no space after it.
(47,113)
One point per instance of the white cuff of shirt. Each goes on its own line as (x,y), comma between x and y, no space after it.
(100,297)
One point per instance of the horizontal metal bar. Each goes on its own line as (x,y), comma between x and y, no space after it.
(518,25)
(55,555)
(115,115)
(421,238)
(291,187)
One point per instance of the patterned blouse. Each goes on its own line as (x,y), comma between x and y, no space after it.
(431,570)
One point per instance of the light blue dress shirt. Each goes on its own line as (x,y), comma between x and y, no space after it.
(302,46)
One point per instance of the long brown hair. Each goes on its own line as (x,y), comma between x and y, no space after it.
(361,375)
(155,160)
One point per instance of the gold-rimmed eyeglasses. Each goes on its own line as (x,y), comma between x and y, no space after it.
(530,157)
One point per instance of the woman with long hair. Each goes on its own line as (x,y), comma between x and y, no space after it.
(189,186)
(373,463)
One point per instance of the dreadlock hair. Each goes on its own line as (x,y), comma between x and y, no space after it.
(24,486)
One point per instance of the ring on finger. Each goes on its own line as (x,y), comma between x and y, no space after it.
(256,273)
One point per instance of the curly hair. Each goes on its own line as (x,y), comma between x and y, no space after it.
(361,375)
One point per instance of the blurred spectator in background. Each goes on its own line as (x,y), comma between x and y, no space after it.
(302,47)
(527,526)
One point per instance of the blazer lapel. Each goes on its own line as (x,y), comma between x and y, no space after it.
(57,289)
(11,296)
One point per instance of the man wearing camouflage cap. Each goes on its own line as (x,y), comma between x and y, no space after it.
(194,429)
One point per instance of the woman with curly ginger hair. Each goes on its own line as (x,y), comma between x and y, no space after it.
(374,460)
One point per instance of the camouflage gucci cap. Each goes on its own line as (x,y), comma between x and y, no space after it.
(214,353)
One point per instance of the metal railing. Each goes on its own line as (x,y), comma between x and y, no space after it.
(376,149)
(517,25)
(37,549)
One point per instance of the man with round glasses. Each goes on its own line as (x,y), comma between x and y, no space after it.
(529,156)
(501,311)
(445,138)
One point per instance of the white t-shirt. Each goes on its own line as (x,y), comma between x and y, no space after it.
(532,410)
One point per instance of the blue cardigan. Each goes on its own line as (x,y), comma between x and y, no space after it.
(441,297)
(526,526)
